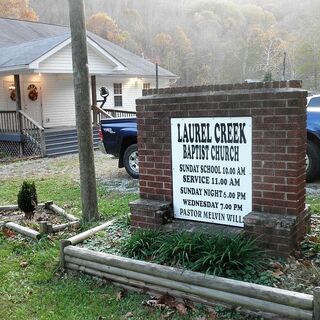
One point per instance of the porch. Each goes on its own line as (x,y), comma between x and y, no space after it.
(21,136)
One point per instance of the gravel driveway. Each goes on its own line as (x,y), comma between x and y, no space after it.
(106,166)
(107,171)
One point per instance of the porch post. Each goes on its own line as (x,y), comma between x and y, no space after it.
(18,108)
(94,99)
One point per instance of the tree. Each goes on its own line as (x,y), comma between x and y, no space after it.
(163,43)
(231,40)
(184,50)
(17,9)
(269,47)
(267,76)
(310,41)
(164,49)
(104,26)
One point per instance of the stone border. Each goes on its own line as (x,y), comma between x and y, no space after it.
(44,226)
(182,284)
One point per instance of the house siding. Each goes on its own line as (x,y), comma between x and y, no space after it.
(61,62)
(6,104)
(58,101)
(57,95)
(131,90)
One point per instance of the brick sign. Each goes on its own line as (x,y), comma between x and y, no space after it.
(235,157)
(212,169)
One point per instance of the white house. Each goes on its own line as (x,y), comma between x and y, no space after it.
(39,55)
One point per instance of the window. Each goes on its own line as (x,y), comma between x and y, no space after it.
(314,102)
(117,93)
(146,86)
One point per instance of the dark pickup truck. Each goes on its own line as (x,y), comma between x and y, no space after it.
(313,136)
(119,137)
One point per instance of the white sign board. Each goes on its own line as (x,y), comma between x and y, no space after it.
(212,169)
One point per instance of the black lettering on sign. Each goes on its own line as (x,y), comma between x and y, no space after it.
(229,133)
(194,133)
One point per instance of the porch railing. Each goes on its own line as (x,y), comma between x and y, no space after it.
(21,133)
(34,132)
(29,137)
(116,113)
(99,114)
(8,122)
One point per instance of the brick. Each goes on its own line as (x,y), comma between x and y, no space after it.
(155,184)
(274,180)
(263,186)
(278,148)
(273,195)
(139,218)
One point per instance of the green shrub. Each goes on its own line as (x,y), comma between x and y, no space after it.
(179,249)
(27,199)
(267,76)
(224,253)
(231,255)
(142,244)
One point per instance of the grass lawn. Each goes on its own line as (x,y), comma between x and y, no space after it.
(40,291)
(33,287)
(314,202)
(65,192)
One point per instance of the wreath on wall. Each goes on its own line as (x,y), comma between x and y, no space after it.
(33,92)
(13,96)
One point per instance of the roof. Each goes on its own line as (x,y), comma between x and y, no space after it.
(23,42)
(25,53)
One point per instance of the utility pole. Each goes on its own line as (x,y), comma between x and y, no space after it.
(157,77)
(83,111)
(284,66)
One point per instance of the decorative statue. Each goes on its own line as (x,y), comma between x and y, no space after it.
(104,93)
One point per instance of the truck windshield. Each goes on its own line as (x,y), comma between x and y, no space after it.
(314,102)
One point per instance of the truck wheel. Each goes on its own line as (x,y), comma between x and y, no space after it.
(131,161)
(312,161)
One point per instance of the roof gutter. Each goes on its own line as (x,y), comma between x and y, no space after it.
(16,69)
(113,75)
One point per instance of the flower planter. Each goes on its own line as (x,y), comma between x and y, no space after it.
(182,284)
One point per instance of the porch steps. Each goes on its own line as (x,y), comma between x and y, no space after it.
(63,142)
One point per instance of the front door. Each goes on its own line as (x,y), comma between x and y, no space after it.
(31,101)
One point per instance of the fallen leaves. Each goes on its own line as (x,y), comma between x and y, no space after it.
(167,301)
(212,315)
(8,233)
(277,273)
(181,308)
(128,315)
(121,294)
(24,264)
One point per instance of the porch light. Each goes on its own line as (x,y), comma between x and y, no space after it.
(138,81)
(12,87)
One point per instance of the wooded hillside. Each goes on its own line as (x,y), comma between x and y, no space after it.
(206,41)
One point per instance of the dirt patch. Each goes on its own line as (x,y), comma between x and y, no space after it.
(128,184)
(40,214)
(313,189)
